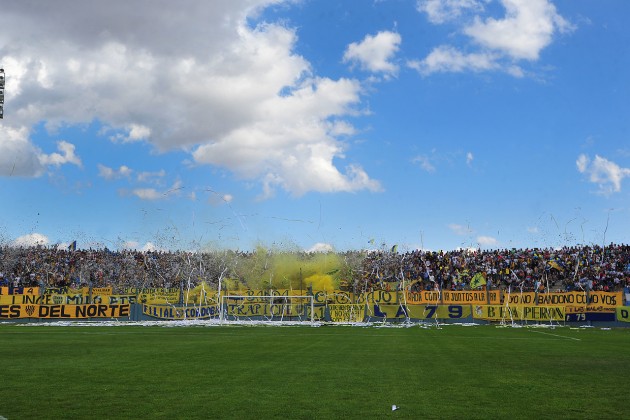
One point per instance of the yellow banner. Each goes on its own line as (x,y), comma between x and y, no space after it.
(279,292)
(420,311)
(64,311)
(4,290)
(623,313)
(346,313)
(159,297)
(422,298)
(65,290)
(343,297)
(518,298)
(103,291)
(189,312)
(264,309)
(576,302)
(471,297)
(69,299)
(519,313)
(200,295)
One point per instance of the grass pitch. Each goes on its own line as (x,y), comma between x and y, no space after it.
(303,372)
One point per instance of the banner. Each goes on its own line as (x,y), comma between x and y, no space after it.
(576,302)
(472,297)
(319,312)
(623,313)
(518,298)
(424,297)
(179,313)
(519,313)
(279,292)
(346,313)
(420,311)
(68,299)
(64,311)
(248,310)
(343,297)
(4,290)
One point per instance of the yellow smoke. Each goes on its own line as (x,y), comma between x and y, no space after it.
(290,270)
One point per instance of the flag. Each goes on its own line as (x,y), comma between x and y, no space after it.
(554,264)
(477,280)
(72,246)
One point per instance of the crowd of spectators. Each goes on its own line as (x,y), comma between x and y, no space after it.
(55,267)
(565,269)
(569,268)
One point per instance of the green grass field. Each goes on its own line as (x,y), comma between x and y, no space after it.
(302,372)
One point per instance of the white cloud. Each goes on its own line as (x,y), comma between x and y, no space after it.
(203,81)
(460,229)
(67,155)
(606,174)
(18,156)
(135,245)
(527,27)
(425,163)
(153,177)
(375,53)
(217,199)
(110,173)
(449,59)
(147,194)
(582,163)
(469,158)
(32,239)
(441,11)
(321,247)
(153,194)
(130,245)
(486,241)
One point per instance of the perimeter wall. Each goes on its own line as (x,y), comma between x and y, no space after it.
(35,305)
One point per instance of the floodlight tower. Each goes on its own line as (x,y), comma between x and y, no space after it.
(1,93)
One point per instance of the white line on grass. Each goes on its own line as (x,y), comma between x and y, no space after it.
(556,335)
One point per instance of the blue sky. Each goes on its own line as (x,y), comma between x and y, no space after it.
(315,125)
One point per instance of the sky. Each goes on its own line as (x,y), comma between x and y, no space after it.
(315,125)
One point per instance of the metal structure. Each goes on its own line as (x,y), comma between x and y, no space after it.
(1,94)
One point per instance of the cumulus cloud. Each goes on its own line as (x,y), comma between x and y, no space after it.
(199,79)
(135,245)
(67,155)
(151,177)
(527,27)
(32,239)
(375,52)
(321,247)
(441,11)
(449,59)
(110,173)
(20,157)
(153,194)
(606,174)
(486,241)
